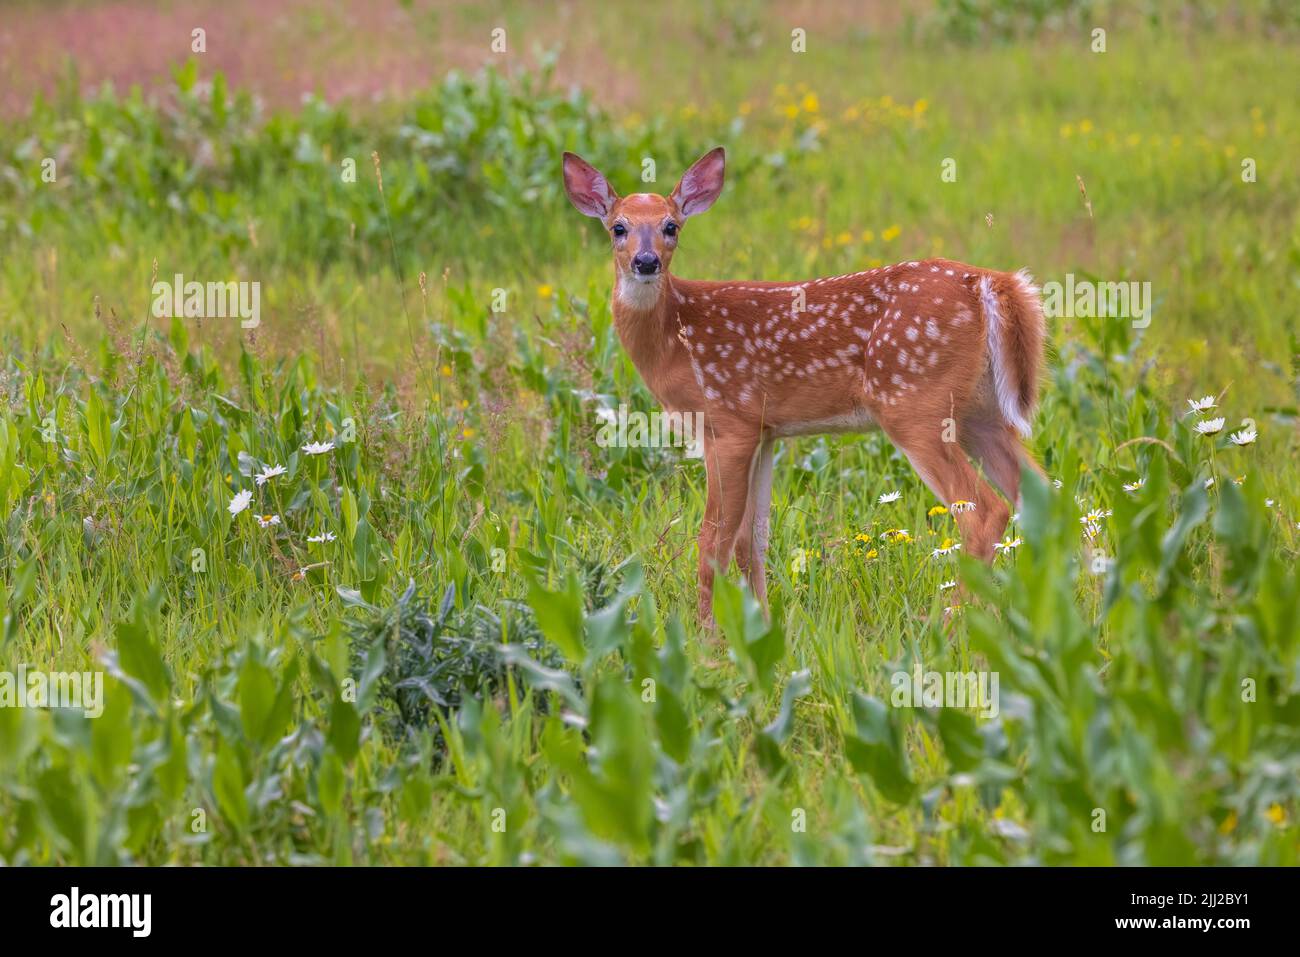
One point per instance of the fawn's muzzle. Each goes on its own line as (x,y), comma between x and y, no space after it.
(645,264)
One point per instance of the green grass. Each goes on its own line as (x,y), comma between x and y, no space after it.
(271,700)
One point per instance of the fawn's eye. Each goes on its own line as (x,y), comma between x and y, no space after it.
(620,229)
(670,229)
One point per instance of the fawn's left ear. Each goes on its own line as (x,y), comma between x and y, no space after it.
(586,188)
(701,185)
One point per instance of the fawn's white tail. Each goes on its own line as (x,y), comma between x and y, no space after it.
(1013,317)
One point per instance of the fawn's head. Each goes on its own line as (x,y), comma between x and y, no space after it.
(643,227)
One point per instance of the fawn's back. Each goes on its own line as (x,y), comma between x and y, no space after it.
(832,354)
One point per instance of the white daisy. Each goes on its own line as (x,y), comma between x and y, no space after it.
(947,548)
(1209,482)
(888,497)
(322,538)
(1209,426)
(266,521)
(944,586)
(1244,437)
(1008,545)
(1057,483)
(1091,521)
(318,448)
(1134,486)
(266,475)
(961,505)
(1269,503)
(239,502)
(1204,404)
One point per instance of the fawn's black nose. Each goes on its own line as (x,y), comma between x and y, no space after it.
(647,264)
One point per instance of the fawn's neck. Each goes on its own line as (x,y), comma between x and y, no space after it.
(646,322)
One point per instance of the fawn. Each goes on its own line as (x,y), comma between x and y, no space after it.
(942,356)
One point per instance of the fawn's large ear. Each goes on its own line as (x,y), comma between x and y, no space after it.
(589,191)
(701,184)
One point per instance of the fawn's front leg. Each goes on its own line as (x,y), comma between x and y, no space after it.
(728,460)
(751,543)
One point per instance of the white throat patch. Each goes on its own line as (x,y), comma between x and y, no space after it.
(639,294)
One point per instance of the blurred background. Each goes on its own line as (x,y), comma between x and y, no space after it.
(231,158)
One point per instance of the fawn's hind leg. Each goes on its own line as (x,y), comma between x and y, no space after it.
(997,449)
(943,466)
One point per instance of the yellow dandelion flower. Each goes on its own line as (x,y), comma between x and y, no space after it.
(1277,814)
(844,238)
(892,233)
(937,510)
(1229,823)
(868,236)
(544,291)
(810,104)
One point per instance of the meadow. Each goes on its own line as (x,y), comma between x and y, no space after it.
(447,626)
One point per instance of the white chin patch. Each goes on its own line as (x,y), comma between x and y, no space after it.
(639,292)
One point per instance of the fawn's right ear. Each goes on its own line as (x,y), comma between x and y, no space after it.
(587,189)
